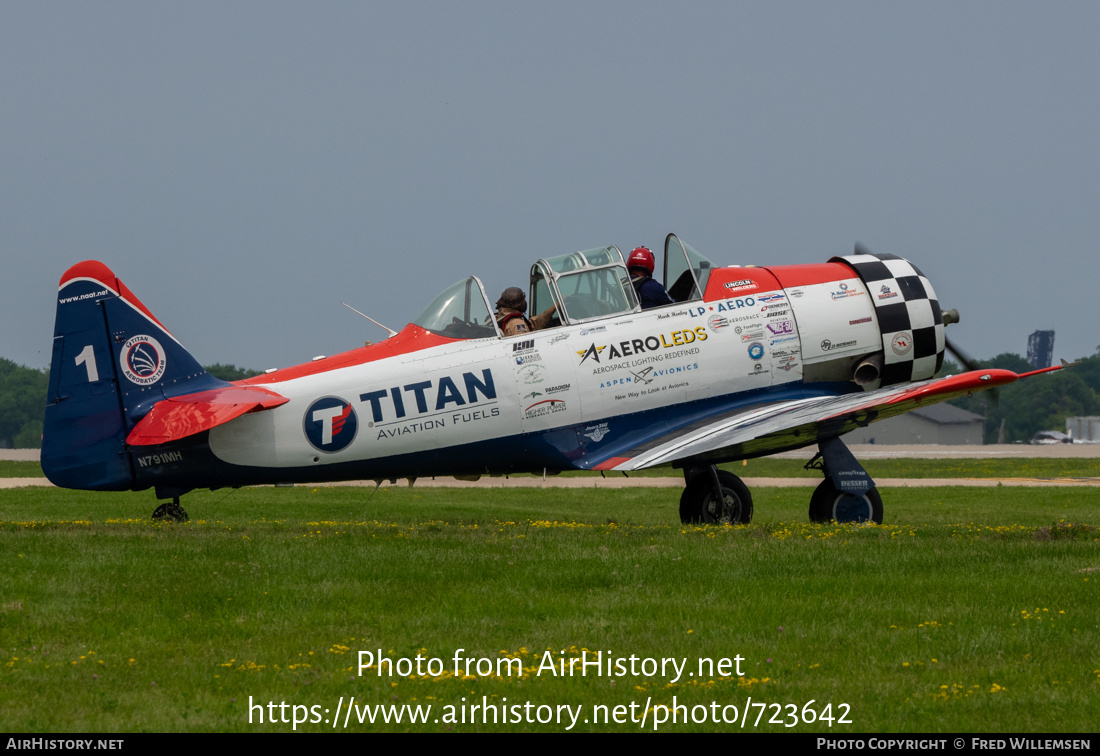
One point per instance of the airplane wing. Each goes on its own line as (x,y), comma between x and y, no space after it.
(764,428)
(183,416)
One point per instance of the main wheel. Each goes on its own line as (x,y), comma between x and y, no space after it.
(830,505)
(699,505)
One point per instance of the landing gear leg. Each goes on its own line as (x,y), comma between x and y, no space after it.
(847,494)
(714,497)
(171,511)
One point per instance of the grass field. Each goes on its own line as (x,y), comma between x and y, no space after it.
(969,610)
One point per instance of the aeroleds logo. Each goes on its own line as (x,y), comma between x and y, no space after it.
(142,360)
(330,424)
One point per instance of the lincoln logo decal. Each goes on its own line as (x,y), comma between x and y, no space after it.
(330,424)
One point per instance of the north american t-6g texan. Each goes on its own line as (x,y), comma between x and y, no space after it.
(746,362)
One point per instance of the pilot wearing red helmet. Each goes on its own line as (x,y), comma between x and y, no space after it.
(650,292)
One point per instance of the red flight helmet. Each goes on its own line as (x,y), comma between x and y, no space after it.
(641,257)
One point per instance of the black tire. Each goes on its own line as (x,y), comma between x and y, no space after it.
(699,507)
(170,511)
(830,505)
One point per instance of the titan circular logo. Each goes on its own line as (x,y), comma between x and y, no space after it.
(902,343)
(756,350)
(330,424)
(142,360)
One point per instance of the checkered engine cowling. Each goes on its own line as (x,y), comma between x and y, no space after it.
(909,316)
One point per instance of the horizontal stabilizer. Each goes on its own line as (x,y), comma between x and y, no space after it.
(183,416)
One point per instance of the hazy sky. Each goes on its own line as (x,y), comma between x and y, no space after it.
(245,167)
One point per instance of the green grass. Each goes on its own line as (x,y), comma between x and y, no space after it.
(12,469)
(969,610)
(793,468)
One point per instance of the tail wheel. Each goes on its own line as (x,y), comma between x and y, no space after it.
(700,506)
(171,511)
(830,505)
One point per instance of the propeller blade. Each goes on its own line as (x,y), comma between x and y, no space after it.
(963,357)
(971,364)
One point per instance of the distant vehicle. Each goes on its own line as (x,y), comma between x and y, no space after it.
(747,362)
(1044,438)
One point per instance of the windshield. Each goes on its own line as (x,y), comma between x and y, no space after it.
(460,312)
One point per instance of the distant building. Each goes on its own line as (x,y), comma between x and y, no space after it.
(1083,430)
(937,424)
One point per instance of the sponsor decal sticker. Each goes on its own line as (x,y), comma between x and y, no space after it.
(771,298)
(902,343)
(845,292)
(330,424)
(597,329)
(532,374)
(780,327)
(596,432)
(717,322)
(886,292)
(430,396)
(595,352)
(557,389)
(756,351)
(560,337)
(545,407)
(754,336)
(744,284)
(828,346)
(728,305)
(859,321)
(143,360)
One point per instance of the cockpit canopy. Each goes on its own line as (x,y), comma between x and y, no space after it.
(584,285)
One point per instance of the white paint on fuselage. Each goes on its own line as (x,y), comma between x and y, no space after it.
(589,374)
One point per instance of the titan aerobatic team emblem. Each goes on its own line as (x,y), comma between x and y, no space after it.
(330,424)
(142,360)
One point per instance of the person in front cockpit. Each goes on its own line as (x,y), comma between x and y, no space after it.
(510,315)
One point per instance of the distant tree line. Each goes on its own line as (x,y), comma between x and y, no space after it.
(1042,402)
(1025,408)
(23,400)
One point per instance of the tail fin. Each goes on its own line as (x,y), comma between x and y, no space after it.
(112,361)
